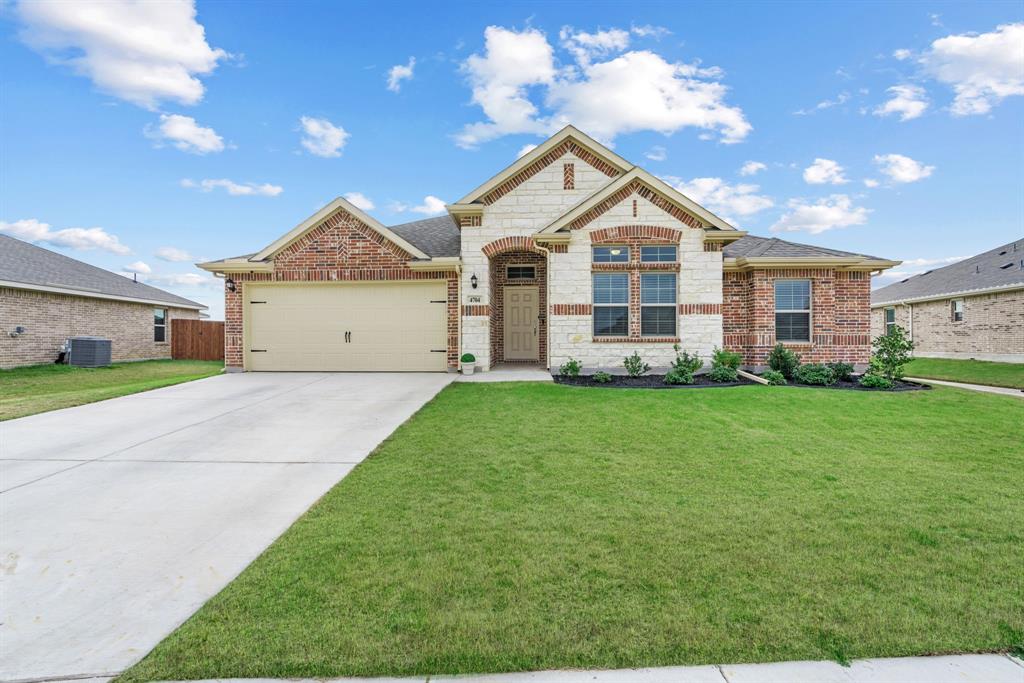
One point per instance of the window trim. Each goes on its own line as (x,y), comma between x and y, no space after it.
(162,325)
(674,305)
(809,310)
(885,318)
(673,247)
(594,305)
(509,278)
(953,312)
(629,253)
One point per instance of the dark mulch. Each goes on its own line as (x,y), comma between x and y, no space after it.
(702,381)
(901,385)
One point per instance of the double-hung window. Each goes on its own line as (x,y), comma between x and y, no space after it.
(956,310)
(611,254)
(658,254)
(611,304)
(890,319)
(159,324)
(658,304)
(793,310)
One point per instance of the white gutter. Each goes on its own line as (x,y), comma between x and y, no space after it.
(98,295)
(947,295)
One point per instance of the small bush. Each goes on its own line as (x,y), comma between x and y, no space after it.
(468,358)
(635,366)
(722,373)
(783,360)
(842,371)
(684,361)
(876,382)
(571,368)
(726,359)
(678,376)
(815,373)
(602,377)
(892,352)
(774,377)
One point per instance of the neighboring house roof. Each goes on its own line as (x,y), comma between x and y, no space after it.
(436,237)
(996,269)
(26,266)
(751,246)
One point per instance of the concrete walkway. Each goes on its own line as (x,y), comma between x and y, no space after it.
(952,669)
(121,518)
(1002,391)
(510,372)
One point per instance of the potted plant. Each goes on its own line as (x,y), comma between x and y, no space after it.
(468,363)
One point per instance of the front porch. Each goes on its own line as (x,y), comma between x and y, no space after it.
(517,282)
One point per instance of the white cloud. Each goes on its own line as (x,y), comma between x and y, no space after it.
(172,254)
(399,73)
(902,169)
(983,69)
(586,46)
(752,167)
(824,171)
(431,206)
(648,31)
(185,134)
(722,198)
(916,266)
(657,153)
(82,239)
(909,101)
(233,188)
(322,138)
(870,182)
(902,54)
(184,280)
(524,150)
(836,211)
(841,98)
(137,267)
(638,90)
(142,52)
(359,200)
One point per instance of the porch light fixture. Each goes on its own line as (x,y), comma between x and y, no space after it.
(230,284)
(473,281)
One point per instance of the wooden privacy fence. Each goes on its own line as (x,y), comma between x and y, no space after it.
(197,339)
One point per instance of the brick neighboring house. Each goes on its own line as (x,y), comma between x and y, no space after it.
(54,297)
(970,309)
(570,252)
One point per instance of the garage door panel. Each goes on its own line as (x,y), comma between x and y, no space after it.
(392,326)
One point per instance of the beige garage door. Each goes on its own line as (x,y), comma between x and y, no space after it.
(346,327)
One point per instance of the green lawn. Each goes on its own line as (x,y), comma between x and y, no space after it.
(38,388)
(971,371)
(511,527)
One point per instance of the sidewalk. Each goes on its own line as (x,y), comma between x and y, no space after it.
(949,669)
(1003,391)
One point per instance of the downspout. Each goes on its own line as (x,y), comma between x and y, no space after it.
(547,303)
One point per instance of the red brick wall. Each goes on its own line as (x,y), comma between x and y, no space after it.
(341,249)
(840,314)
(498,268)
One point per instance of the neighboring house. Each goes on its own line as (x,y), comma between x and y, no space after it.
(53,297)
(571,251)
(970,309)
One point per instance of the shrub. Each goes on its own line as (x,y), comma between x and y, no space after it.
(774,377)
(468,358)
(783,360)
(815,373)
(722,373)
(602,377)
(635,366)
(842,371)
(876,382)
(725,359)
(678,376)
(892,352)
(684,361)
(571,368)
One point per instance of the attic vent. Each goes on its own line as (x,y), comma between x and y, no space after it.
(1008,265)
(1002,253)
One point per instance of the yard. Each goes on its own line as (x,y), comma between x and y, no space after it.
(512,527)
(970,371)
(38,388)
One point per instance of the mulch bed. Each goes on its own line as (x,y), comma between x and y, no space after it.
(702,382)
(900,385)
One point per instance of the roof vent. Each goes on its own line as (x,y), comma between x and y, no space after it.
(1008,265)
(977,269)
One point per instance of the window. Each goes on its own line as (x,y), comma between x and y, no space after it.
(611,254)
(659,254)
(658,304)
(890,319)
(521,273)
(159,324)
(956,310)
(793,310)
(611,304)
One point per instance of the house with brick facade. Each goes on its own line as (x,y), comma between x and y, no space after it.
(971,309)
(46,297)
(570,252)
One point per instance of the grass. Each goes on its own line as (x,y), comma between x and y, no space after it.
(512,527)
(39,388)
(970,371)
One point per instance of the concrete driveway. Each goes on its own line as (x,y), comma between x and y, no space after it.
(119,519)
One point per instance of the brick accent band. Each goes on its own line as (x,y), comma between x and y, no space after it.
(712,246)
(567,147)
(568,176)
(511,243)
(700,309)
(476,309)
(645,192)
(571,309)
(473,221)
(635,340)
(559,248)
(625,232)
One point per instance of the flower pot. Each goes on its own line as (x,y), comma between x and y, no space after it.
(467,368)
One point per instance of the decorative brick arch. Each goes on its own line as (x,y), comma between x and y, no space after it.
(511,243)
(635,232)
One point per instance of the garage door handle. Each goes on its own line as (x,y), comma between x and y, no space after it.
(438,301)
(257,350)
(439,350)
(348,337)
(257,302)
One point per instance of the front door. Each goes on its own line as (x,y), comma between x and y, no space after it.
(522,310)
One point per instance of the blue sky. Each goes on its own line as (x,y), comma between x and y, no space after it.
(158,134)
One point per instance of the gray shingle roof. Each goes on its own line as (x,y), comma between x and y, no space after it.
(31,265)
(750,246)
(997,267)
(433,236)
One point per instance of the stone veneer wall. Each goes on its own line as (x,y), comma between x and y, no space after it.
(992,328)
(51,318)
